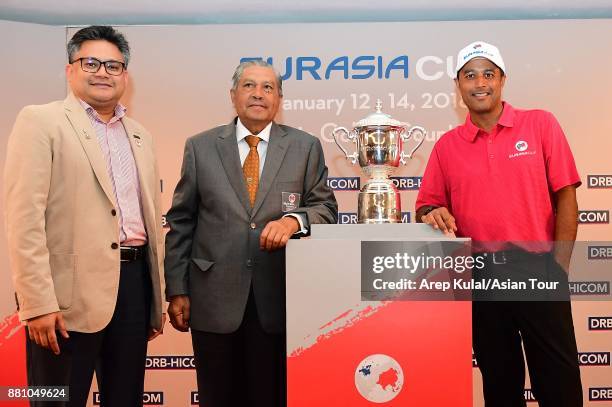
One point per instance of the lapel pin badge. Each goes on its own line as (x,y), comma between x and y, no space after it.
(138,140)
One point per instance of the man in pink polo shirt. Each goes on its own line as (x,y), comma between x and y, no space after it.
(507,179)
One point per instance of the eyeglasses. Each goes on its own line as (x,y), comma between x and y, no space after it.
(92,65)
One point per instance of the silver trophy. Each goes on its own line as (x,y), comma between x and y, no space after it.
(379,140)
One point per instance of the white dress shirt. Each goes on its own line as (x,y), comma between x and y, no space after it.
(262,148)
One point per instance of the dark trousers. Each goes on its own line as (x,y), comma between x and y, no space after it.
(246,368)
(546,331)
(117,353)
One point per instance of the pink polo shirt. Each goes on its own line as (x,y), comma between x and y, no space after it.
(499,185)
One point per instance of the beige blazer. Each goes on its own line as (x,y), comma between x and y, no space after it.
(61,230)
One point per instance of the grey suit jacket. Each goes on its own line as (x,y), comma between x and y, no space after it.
(212,248)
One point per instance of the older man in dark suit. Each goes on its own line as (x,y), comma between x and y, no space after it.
(246,188)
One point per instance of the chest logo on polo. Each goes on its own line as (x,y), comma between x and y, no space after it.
(521,145)
(521,148)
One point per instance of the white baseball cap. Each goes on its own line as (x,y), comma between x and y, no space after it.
(479,49)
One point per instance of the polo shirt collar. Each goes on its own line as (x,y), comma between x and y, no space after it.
(507,117)
(469,130)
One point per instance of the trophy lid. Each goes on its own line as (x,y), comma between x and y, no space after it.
(378,118)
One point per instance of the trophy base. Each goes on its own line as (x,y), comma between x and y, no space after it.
(379,202)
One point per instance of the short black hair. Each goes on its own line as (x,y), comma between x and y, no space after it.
(98,32)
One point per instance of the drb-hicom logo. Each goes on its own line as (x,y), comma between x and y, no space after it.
(407,183)
(594,358)
(347,218)
(600,252)
(350,218)
(600,323)
(589,287)
(600,393)
(599,181)
(521,145)
(149,398)
(379,378)
(528,395)
(594,217)
(169,362)
(344,183)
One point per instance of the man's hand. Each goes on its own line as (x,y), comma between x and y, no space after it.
(566,225)
(441,218)
(277,233)
(564,264)
(42,330)
(154,333)
(562,253)
(178,310)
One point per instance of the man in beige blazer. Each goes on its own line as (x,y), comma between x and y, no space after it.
(83,221)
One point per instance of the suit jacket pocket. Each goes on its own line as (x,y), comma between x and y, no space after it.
(62,271)
(203,265)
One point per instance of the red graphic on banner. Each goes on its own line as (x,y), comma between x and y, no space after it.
(420,336)
(342,322)
(388,378)
(338,318)
(12,355)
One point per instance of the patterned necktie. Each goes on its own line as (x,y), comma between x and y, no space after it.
(251,168)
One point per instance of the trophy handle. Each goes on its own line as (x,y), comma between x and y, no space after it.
(351,136)
(406,136)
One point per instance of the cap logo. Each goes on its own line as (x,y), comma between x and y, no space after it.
(479,49)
